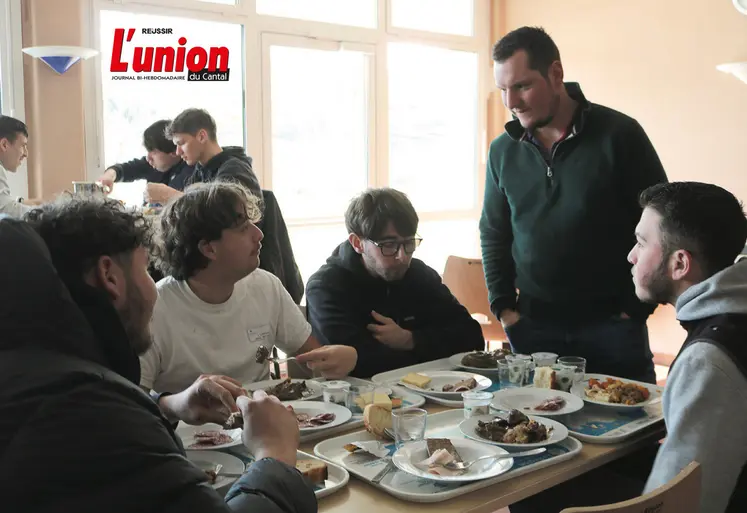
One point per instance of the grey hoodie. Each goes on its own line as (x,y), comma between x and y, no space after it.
(705,399)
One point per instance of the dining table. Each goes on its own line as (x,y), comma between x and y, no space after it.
(361,497)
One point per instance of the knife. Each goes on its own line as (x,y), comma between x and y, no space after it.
(389,467)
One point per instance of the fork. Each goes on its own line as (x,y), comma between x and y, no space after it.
(460,465)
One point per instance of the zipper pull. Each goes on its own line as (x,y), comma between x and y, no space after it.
(549,172)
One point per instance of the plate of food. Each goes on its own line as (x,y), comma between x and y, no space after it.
(446,384)
(515,430)
(213,463)
(616,392)
(315,416)
(479,361)
(427,459)
(207,437)
(288,389)
(543,402)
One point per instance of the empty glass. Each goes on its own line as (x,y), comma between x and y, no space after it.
(511,374)
(544,359)
(408,425)
(576,362)
(358,397)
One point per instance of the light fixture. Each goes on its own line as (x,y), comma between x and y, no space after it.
(738,69)
(60,58)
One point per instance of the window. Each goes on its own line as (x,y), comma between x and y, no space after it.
(360,13)
(130,106)
(447,16)
(433,125)
(314,244)
(319,103)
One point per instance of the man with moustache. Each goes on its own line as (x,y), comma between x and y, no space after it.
(561,202)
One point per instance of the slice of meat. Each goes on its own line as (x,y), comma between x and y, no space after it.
(551,404)
(210,438)
(307,421)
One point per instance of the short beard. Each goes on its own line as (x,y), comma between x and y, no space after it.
(140,338)
(555,105)
(660,288)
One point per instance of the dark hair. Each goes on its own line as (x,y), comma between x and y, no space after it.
(192,121)
(201,214)
(11,127)
(154,137)
(539,46)
(369,214)
(702,218)
(79,230)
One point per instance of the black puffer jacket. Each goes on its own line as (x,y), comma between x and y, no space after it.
(76,432)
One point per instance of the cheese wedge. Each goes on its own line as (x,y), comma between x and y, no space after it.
(417,380)
(379,398)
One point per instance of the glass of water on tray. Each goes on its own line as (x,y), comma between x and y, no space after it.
(578,363)
(408,425)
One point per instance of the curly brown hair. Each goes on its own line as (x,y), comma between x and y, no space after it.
(78,230)
(200,214)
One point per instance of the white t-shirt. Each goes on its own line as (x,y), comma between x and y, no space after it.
(192,337)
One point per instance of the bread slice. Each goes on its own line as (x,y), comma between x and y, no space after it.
(314,471)
(376,419)
(544,377)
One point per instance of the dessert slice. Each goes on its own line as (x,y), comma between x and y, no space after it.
(314,471)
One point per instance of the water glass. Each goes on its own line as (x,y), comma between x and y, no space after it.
(528,362)
(544,359)
(408,425)
(564,376)
(476,403)
(511,374)
(577,363)
(358,397)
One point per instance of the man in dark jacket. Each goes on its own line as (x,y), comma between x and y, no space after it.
(75,315)
(373,295)
(164,170)
(561,202)
(195,135)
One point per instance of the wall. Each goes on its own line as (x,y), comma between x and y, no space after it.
(656,61)
(54,103)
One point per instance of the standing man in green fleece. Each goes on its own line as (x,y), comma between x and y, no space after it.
(561,205)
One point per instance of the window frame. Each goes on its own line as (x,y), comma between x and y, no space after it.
(258,130)
(11,61)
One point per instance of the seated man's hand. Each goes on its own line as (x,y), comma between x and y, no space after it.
(390,333)
(270,429)
(332,362)
(108,178)
(210,398)
(160,193)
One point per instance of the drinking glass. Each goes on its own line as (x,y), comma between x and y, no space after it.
(577,363)
(408,425)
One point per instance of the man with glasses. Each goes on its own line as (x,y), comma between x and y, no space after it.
(373,295)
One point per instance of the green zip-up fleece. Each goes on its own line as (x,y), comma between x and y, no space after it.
(560,232)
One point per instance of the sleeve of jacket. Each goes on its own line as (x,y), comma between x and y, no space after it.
(137,169)
(335,318)
(451,329)
(241,172)
(132,458)
(496,239)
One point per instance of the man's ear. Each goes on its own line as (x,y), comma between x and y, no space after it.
(202,136)
(4,144)
(356,242)
(109,276)
(207,249)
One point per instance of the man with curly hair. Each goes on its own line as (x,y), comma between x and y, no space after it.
(215,308)
(75,313)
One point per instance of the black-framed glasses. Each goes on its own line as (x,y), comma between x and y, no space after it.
(391,247)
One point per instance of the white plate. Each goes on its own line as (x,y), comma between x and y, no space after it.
(342,414)
(526,398)
(558,434)
(406,458)
(441,378)
(187,435)
(456,361)
(314,388)
(207,460)
(578,389)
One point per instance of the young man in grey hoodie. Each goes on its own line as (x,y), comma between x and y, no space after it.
(688,239)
